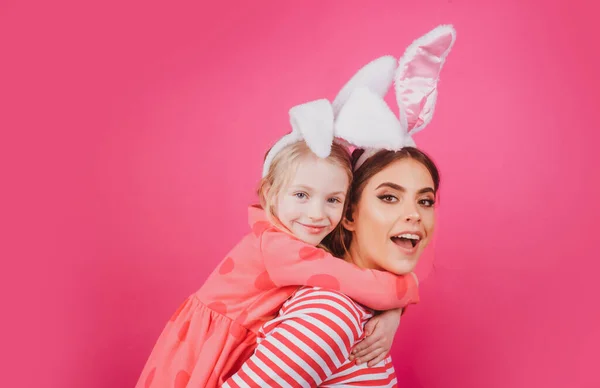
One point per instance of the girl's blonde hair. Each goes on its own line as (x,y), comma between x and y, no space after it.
(284,166)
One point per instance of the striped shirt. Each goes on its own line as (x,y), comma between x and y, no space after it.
(308,345)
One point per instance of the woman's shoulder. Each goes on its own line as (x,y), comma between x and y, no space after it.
(312,299)
(325,315)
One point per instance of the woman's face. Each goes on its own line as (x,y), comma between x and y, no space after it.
(394,218)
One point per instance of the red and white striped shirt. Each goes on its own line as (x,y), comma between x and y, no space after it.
(308,345)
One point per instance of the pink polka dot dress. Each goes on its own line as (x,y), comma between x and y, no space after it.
(213,332)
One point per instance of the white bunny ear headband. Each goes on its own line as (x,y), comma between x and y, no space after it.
(359,115)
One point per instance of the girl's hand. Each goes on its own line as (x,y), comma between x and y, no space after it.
(380,332)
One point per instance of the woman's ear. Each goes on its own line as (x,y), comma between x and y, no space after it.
(348,223)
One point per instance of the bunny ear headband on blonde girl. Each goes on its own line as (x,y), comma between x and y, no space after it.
(360,117)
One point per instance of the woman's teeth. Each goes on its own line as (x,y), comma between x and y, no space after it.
(413,239)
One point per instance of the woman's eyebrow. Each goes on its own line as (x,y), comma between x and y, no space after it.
(402,189)
(391,185)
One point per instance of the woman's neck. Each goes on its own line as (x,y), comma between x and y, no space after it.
(354,256)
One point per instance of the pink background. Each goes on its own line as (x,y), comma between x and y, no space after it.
(132,139)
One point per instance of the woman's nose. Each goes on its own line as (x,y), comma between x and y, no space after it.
(411,213)
(413,217)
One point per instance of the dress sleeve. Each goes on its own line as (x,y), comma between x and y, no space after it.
(289,261)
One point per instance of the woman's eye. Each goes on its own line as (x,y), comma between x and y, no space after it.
(427,202)
(334,200)
(388,198)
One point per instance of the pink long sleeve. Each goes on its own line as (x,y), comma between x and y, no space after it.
(292,262)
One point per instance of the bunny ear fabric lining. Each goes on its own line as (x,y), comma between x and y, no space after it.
(418,74)
(416,80)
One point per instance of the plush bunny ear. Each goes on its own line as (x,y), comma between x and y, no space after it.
(377,76)
(314,121)
(366,121)
(418,74)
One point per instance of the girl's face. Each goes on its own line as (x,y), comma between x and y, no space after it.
(310,206)
(394,218)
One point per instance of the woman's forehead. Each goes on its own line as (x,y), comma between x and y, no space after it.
(407,173)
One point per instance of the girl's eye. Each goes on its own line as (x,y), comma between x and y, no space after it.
(334,200)
(388,198)
(301,195)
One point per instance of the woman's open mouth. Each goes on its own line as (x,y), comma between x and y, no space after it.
(408,241)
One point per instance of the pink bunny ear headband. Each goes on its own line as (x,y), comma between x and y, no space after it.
(360,117)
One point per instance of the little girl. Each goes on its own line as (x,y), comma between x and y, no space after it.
(302,196)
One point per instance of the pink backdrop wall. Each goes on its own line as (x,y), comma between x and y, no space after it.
(132,140)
